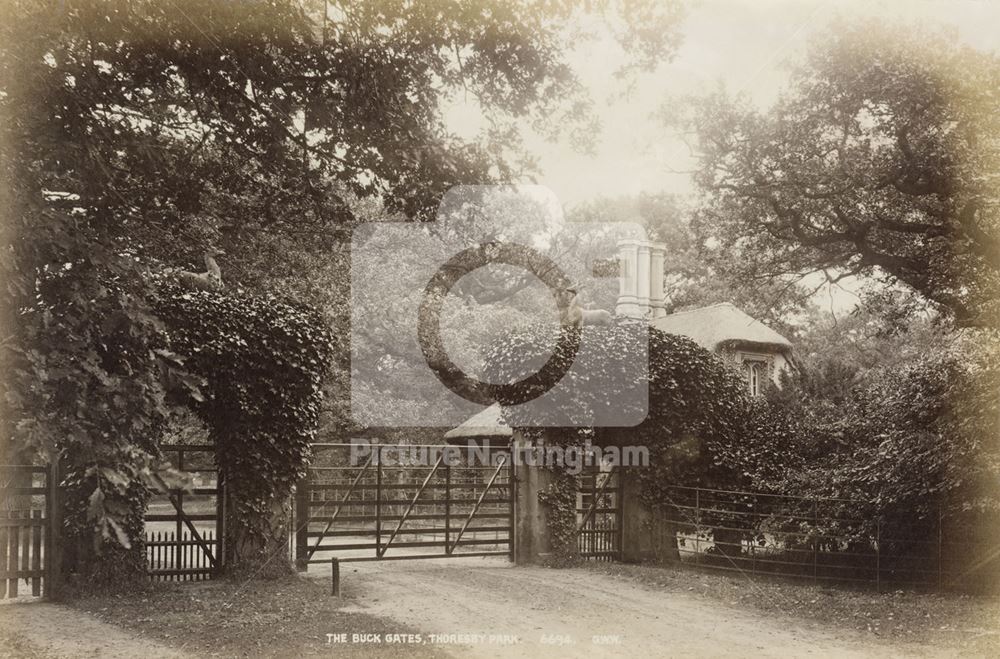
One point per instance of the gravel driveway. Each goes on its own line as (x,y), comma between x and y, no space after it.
(477,607)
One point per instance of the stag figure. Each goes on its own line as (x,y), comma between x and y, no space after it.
(575,315)
(210,280)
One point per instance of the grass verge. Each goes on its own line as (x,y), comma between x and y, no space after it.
(286,617)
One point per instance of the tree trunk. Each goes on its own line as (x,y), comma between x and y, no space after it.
(257,534)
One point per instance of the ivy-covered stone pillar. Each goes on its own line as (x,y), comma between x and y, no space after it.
(646,535)
(263,362)
(546,504)
(531,533)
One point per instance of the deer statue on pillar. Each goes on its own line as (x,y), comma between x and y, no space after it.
(575,315)
(210,280)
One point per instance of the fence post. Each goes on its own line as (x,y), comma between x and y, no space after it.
(697,526)
(36,551)
(619,537)
(335,576)
(815,542)
(878,554)
(53,537)
(447,508)
(940,557)
(378,500)
(220,520)
(178,548)
(302,494)
(512,505)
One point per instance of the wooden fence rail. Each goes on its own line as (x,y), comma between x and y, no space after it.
(823,540)
(170,557)
(378,509)
(22,536)
(26,493)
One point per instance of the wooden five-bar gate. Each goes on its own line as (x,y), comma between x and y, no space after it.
(369,502)
(359,502)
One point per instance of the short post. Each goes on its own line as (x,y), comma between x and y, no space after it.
(697,526)
(335,576)
(940,556)
(878,554)
(815,542)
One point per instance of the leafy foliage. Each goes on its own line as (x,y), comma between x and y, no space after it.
(925,437)
(697,406)
(139,132)
(264,362)
(602,374)
(90,393)
(881,160)
(908,452)
(691,392)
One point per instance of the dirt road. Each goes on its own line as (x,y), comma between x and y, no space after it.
(479,606)
(49,631)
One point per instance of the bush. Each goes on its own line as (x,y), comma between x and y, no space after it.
(913,451)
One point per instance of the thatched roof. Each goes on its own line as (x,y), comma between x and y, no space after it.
(482,424)
(722,325)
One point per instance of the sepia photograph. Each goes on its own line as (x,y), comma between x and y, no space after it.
(499,329)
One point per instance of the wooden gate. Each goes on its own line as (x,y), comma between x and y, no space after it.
(26,539)
(370,502)
(184,530)
(598,515)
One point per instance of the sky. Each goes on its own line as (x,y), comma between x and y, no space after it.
(743,45)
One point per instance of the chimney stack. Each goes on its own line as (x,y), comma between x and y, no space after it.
(640,287)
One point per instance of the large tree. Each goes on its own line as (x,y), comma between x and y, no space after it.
(135,133)
(881,159)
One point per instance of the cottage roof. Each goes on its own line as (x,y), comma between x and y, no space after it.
(487,423)
(722,324)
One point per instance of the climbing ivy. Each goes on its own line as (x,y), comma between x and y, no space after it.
(83,388)
(560,497)
(263,361)
(697,406)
